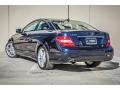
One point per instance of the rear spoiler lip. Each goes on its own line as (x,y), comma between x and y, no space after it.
(92,36)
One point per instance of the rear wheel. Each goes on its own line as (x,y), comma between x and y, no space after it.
(93,63)
(10,50)
(73,62)
(43,59)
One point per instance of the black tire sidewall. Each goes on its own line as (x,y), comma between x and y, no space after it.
(94,64)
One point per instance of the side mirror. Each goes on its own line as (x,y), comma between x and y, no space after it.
(18,30)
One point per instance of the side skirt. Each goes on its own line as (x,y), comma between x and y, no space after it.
(23,55)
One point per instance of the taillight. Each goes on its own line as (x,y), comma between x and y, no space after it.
(108,41)
(65,41)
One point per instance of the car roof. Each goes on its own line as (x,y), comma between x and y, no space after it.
(53,20)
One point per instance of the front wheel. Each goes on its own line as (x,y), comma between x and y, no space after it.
(43,59)
(10,50)
(93,63)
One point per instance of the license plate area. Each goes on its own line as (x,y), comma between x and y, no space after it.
(91,41)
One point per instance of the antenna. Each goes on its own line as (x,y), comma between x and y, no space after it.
(68,14)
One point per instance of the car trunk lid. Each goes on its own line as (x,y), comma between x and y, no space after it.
(87,39)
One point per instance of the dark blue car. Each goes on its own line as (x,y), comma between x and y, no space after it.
(53,41)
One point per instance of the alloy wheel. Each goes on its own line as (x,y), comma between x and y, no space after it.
(10,50)
(42,57)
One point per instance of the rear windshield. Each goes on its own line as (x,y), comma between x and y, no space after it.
(72,25)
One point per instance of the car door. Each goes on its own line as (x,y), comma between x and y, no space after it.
(22,40)
(43,33)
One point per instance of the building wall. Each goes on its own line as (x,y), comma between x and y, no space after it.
(106,18)
(22,15)
(3,26)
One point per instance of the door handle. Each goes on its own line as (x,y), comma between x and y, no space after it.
(50,30)
(21,38)
(29,39)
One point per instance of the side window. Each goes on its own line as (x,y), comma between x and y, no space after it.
(31,26)
(43,26)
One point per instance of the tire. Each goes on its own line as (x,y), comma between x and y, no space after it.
(93,64)
(73,62)
(10,50)
(43,59)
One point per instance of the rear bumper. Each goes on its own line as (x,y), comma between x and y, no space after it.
(105,54)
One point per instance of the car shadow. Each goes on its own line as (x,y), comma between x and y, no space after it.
(109,65)
(27,58)
(83,68)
